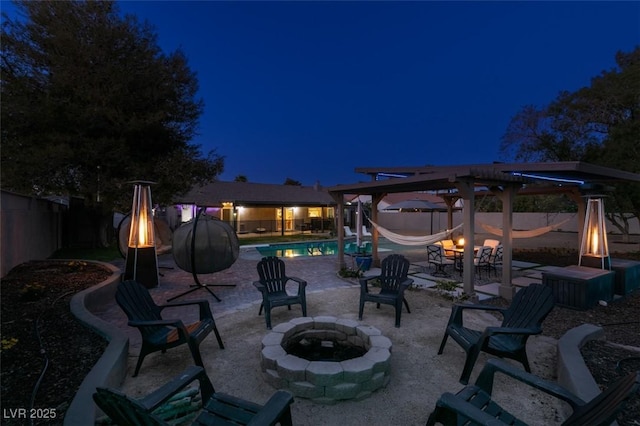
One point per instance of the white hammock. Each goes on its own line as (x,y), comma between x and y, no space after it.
(410,240)
(524,234)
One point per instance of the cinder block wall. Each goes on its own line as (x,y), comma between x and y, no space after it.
(31,228)
(420,223)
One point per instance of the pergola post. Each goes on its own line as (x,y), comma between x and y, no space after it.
(506,195)
(466,189)
(339,199)
(581,202)
(375,200)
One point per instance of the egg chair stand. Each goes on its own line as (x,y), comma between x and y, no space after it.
(198,285)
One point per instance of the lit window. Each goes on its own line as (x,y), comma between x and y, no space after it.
(315,212)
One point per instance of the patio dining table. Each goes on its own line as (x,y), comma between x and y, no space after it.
(458,257)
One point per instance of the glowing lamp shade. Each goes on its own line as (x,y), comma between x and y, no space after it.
(142,263)
(594,248)
(141,234)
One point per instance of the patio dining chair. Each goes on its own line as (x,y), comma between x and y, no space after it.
(448,247)
(475,404)
(436,257)
(482,259)
(489,242)
(217,408)
(496,260)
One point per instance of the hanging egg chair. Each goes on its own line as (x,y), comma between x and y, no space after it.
(204,245)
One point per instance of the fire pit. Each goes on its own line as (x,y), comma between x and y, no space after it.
(326,359)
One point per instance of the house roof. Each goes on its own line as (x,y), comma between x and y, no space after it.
(394,198)
(256,194)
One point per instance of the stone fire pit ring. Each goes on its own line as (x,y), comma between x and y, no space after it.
(323,381)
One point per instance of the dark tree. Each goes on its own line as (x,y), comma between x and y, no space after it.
(90,102)
(598,124)
(292,182)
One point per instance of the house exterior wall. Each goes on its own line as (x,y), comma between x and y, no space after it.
(266,219)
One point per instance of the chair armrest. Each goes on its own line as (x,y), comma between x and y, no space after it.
(479,307)
(259,286)
(164,393)
(451,402)
(457,310)
(493,365)
(273,410)
(531,331)
(364,283)
(156,323)
(182,303)
(205,309)
(365,280)
(302,284)
(406,283)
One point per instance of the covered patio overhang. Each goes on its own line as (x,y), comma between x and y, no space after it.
(504,180)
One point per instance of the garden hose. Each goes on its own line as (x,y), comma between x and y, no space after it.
(43,353)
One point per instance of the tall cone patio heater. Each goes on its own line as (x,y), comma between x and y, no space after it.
(594,249)
(142,262)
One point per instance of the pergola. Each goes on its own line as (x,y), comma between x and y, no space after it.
(504,180)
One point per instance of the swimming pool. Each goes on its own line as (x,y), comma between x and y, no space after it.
(317,248)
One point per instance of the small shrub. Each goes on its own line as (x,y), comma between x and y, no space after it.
(447,290)
(8,343)
(32,292)
(350,273)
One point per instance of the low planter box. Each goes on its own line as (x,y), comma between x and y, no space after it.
(580,287)
(627,275)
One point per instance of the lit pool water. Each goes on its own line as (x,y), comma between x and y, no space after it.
(318,248)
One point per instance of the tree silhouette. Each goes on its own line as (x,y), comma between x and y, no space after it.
(90,102)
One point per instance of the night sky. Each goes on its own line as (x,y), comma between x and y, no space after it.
(312,90)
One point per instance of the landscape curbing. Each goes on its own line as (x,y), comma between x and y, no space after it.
(573,373)
(111,368)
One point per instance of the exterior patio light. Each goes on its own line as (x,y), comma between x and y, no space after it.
(460,243)
(594,249)
(142,263)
